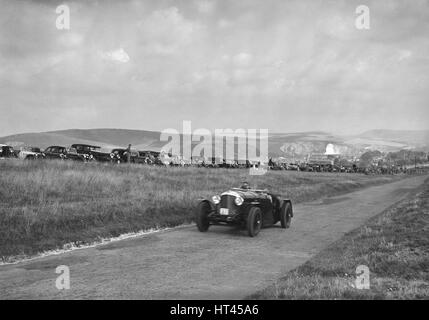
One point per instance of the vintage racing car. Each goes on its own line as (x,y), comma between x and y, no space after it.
(248,208)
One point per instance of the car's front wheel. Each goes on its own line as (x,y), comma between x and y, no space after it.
(202,216)
(286,215)
(254,221)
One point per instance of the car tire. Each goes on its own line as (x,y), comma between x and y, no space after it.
(203,210)
(254,221)
(285,215)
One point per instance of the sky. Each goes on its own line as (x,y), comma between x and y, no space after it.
(286,66)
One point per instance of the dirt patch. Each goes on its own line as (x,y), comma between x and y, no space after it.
(334,200)
(145,240)
(51,264)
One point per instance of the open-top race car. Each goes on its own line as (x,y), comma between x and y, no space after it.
(245,207)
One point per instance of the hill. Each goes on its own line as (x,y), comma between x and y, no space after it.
(417,138)
(99,137)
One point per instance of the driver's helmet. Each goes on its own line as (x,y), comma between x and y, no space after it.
(245,185)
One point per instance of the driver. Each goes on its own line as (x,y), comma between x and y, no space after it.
(245,185)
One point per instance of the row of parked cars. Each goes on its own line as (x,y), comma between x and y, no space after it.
(312,167)
(80,152)
(87,153)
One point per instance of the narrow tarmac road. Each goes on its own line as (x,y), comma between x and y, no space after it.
(223,263)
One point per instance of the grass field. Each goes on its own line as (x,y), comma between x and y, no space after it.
(394,246)
(46,204)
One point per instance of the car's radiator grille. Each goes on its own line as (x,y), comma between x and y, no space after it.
(227,201)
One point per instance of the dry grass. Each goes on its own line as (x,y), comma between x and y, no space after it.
(46,204)
(395,247)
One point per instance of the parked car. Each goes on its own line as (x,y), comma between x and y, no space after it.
(164,159)
(229,163)
(315,168)
(177,161)
(154,158)
(55,152)
(198,161)
(303,166)
(102,154)
(293,167)
(86,149)
(120,155)
(30,153)
(214,162)
(6,151)
(276,165)
(245,207)
(243,163)
(139,157)
(73,154)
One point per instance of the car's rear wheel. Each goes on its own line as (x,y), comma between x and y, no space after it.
(202,216)
(285,215)
(254,221)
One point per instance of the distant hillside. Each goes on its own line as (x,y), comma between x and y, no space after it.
(390,140)
(300,144)
(297,145)
(99,137)
(409,137)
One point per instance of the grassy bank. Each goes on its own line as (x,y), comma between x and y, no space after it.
(394,246)
(44,205)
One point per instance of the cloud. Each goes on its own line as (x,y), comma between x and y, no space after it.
(166,31)
(205,6)
(197,59)
(242,59)
(223,23)
(118,55)
(404,55)
(70,39)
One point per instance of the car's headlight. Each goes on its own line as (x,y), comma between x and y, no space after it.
(239,201)
(216,199)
